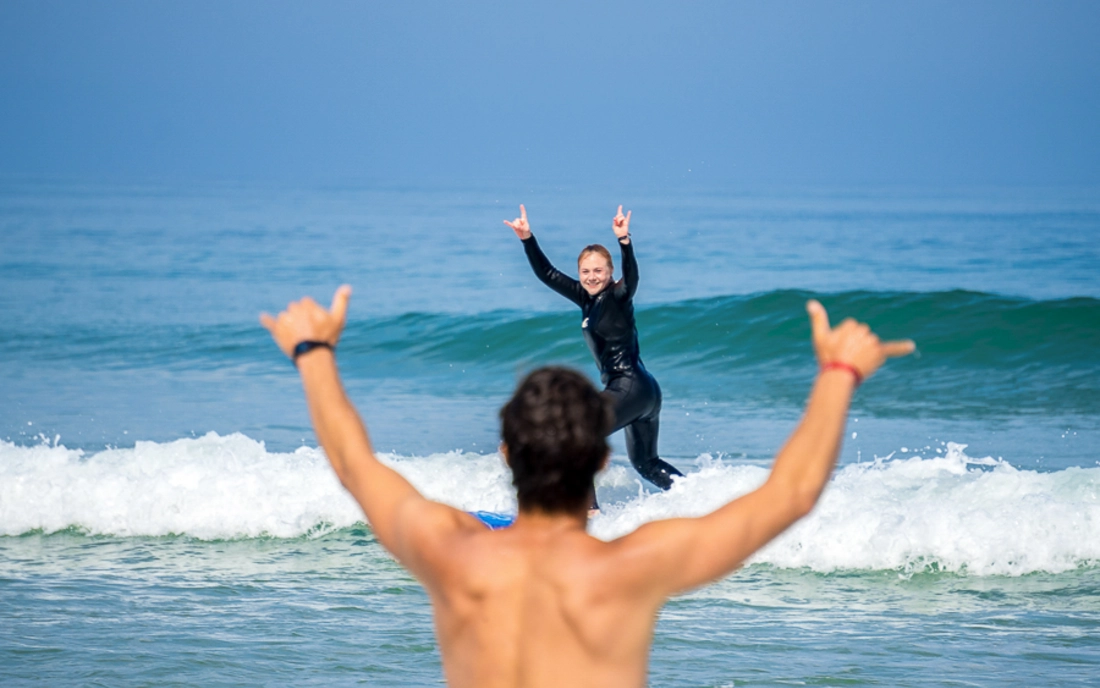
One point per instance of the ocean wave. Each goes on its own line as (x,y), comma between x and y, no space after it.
(941,512)
(978,354)
(956,328)
(945,512)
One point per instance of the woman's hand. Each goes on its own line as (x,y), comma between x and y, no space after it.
(621,225)
(519,225)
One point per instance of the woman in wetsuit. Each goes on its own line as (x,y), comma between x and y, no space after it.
(607,308)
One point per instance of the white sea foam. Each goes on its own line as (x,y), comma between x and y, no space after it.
(210,487)
(213,487)
(950,512)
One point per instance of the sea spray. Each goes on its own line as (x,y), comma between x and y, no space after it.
(210,487)
(948,513)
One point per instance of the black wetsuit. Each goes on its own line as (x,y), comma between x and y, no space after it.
(609,330)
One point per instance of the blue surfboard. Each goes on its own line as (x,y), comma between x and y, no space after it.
(494,520)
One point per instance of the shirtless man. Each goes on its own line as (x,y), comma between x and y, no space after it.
(542,603)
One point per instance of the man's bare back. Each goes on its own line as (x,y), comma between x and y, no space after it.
(542,603)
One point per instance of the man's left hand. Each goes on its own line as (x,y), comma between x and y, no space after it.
(306,320)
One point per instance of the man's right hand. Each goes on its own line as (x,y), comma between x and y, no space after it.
(519,225)
(851,343)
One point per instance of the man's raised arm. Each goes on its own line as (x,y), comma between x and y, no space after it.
(308,333)
(684,553)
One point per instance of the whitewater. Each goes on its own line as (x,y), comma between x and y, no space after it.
(942,512)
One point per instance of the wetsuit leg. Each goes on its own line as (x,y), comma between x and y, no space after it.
(638,413)
(641,442)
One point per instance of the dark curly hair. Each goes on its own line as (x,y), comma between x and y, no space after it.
(555,432)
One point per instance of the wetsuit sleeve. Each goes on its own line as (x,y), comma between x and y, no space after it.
(549,275)
(629,283)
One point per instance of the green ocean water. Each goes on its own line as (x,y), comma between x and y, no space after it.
(333,609)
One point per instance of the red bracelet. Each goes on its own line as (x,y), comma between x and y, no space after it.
(837,365)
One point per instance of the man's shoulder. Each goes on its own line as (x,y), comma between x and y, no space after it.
(441,531)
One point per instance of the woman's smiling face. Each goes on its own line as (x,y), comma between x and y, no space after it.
(595,272)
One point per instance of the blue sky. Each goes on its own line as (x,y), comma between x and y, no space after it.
(714,94)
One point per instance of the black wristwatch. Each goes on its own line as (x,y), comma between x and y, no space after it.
(307,346)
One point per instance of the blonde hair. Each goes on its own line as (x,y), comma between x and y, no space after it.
(596,248)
